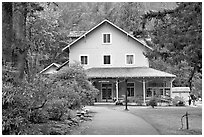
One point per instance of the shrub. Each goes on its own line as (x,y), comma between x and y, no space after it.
(19,103)
(79,89)
(139,100)
(153,102)
(38,116)
(25,103)
(14,109)
(119,102)
(56,110)
(178,101)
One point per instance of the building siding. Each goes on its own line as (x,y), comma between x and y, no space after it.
(121,45)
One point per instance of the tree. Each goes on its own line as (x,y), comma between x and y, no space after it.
(7,31)
(15,42)
(128,16)
(44,31)
(177,37)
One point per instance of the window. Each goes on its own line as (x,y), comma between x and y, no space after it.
(106,38)
(149,92)
(161,91)
(84,60)
(106,59)
(167,91)
(129,59)
(130,89)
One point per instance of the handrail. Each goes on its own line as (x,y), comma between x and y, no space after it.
(187,124)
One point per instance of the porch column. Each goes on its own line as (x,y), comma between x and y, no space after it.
(116,90)
(171,86)
(125,87)
(144,94)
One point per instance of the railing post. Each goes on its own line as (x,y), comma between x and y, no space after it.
(187,126)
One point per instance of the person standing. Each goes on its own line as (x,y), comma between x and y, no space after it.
(189,100)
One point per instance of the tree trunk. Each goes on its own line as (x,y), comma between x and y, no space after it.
(190,80)
(19,27)
(7,33)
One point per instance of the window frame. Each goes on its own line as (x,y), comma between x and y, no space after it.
(103,61)
(105,43)
(81,55)
(126,63)
(131,87)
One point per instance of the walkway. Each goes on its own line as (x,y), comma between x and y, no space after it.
(108,121)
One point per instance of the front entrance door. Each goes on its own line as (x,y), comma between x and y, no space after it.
(106,92)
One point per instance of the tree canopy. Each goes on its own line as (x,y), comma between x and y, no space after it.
(177,40)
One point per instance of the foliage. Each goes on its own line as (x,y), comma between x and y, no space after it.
(177,40)
(178,101)
(38,116)
(76,82)
(13,110)
(153,102)
(139,100)
(56,110)
(20,104)
(44,31)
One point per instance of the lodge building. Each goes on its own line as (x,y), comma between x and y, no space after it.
(114,61)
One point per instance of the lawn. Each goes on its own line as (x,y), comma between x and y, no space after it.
(167,120)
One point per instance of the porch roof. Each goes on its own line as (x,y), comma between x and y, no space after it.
(126,72)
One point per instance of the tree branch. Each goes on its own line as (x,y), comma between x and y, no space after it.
(38,107)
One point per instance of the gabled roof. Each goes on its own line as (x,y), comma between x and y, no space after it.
(53,64)
(106,21)
(126,72)
(65,63)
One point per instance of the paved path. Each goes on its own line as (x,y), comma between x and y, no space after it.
(108,121)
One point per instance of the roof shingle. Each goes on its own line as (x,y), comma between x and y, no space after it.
(124,72)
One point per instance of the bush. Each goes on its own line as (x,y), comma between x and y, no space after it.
(14,109)
(75,81)
(153,102)
(38,116)
(56,110)
(19,103)
(119,102)
(178,101)
(42,98)
(139,100)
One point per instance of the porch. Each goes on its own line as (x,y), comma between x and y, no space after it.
(138,84)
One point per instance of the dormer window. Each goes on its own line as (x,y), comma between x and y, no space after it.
(106,38)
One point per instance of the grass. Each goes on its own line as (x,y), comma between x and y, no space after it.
(167,120)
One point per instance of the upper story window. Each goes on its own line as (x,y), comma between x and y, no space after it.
(106,59)
(129,59)
(106,38)
(130,89)
(84,59)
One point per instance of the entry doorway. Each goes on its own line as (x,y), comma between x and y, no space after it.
(106,92)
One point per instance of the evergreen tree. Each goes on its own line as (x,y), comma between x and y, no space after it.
(177,39)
